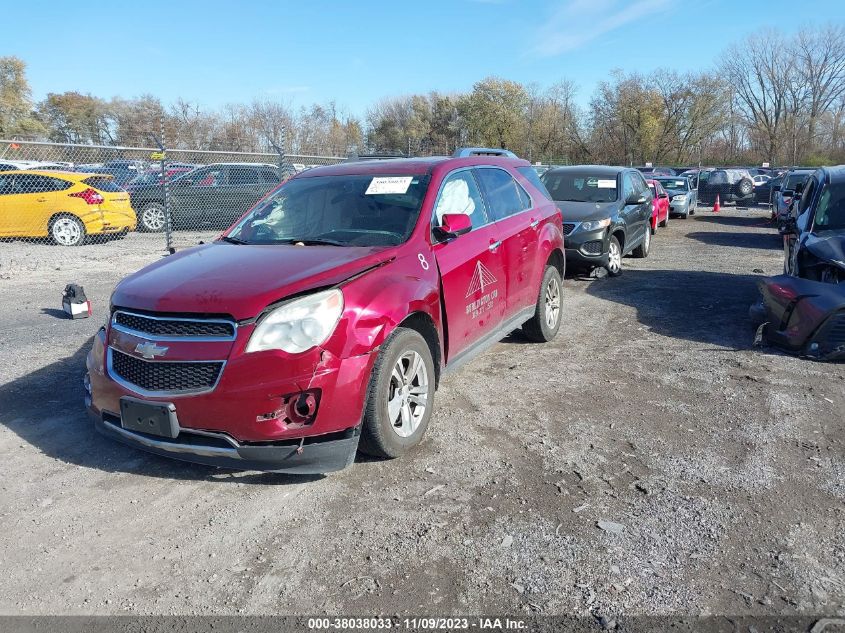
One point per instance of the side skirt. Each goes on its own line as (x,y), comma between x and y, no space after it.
(488,341)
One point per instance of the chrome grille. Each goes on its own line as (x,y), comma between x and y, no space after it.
(164,376)
(163,327)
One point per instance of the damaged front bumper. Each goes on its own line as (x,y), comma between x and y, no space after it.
(804,316)
(307,456)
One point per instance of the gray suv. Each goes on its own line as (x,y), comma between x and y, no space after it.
(606,214)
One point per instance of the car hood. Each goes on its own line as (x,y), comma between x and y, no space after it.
(829,247)
(239,279)
(586,211)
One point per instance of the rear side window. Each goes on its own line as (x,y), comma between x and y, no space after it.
(270,176)
(33,183)
(244,176)
(102,184)
(530,174)
(501,192)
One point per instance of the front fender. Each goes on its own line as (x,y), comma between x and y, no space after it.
(377,302)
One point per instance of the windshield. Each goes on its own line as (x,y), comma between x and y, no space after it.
(577,186)
(147,178)
(340,210)
(674,184)
(830,212)
(795,179)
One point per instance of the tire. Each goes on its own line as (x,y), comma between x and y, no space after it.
(152,218)
(644,248)
(67,230)
(545,324)
(614,257)
(745,187)
(405,351)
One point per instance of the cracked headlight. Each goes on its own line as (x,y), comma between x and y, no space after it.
(595,224)
(299,325)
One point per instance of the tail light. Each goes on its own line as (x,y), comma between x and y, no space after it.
(89,195)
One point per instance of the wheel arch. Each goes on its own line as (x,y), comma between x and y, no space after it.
(619,233)
(422,323)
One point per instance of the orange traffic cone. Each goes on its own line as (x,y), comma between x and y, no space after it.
(716,206)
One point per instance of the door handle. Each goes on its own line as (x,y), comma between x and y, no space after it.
(534,223)
(494,245)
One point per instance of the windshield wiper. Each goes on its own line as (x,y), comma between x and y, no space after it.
(232,240)
(313,241)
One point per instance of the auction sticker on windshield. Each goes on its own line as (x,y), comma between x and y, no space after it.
(388,184)
(606,184)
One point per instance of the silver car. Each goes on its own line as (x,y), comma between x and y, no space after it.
(683,199)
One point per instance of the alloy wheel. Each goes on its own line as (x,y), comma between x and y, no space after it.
(153,218)
(66,231)
(614,258)
(407,394)
(552,300)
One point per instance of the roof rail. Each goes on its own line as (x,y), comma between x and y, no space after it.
(463,152)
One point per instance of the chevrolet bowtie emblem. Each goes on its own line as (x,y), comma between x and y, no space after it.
(150,350)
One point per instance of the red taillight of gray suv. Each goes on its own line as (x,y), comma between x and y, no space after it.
(321,322)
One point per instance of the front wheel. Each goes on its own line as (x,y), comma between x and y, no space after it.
(400,396)
(645,246)
(614,257)
(544,325)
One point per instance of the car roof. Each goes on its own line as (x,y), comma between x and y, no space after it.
(599,170)
(53,173)
(836,173)
(407,166)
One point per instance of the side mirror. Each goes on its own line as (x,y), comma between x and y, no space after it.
(453,225)
(635,198)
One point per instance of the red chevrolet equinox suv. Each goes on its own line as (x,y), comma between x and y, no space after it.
(320,323)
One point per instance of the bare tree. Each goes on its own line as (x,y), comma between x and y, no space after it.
(820,58)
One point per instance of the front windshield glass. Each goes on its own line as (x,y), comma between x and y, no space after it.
(830,213)
(578,186)
(795,179)
(674,184)
(351,210)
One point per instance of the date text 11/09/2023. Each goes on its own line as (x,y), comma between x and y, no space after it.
(418,623)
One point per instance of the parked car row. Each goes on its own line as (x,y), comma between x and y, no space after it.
(803,310)
(205,197)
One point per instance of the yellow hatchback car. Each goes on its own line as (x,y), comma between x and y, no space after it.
(64,206)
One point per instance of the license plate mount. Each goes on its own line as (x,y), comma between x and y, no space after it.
(153,418)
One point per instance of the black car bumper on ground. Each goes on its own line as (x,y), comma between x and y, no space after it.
(804,316)
(316,455)
(586,248)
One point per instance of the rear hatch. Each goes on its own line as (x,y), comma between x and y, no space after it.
(115,198)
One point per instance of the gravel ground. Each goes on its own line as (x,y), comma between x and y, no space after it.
(649,461)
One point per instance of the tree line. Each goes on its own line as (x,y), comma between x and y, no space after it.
(771,98)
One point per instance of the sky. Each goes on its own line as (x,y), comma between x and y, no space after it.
(214,52)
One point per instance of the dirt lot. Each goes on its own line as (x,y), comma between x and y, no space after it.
(648,461)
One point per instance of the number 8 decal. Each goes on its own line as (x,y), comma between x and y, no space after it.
(423,261)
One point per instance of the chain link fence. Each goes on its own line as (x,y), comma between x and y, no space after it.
(114,201)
